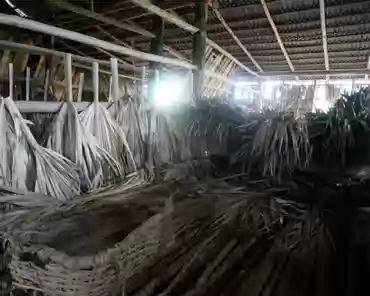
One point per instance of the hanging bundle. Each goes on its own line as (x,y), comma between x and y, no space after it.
(127,115)
(70,138)
(27,165)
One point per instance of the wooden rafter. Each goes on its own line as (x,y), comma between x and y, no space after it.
(99,17)
(94,42)
(9,45)
(323,30)
(236,39)
(148,5)
(130,26)
(276,32)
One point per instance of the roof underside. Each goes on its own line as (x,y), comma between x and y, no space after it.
(297,21)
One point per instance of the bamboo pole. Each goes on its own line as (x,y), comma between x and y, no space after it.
(19,22)
(110,90)
(49,107)
(143,79)
(11,82)
(68,77)
(44,51)
(80,87)
(115,79)
(46,86)
(96,81)
(28,79)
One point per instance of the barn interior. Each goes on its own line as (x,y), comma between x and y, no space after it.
(161,147)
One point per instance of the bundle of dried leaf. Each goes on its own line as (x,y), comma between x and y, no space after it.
(27,165)
(70,138)
(109,136)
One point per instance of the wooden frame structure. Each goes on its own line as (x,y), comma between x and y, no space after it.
(243,50)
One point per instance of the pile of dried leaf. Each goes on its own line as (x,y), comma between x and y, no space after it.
(173,238)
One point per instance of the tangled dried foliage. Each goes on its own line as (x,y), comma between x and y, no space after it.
(343,132)
(199,241)
(27,165)
(70,138)
(211,127)
(126,113)
(109,136)
(281,144)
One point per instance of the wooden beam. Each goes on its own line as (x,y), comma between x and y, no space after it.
(281,44)
(49,107)
(28,80)
(324,38)
(236,39)
(16,21)
(68,77)
(199,47)
(156,47)
(96,81)
(146,4)
(80,87)
(339,72)
(77,65)
(115,79)
(99,17)
(11,81)
(149,6)
(44,51)
(46,86)
(169,49)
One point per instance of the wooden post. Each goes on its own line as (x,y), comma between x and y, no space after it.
(156,47)
(80,87)
(199,46)
(143,79)
(115,79)
(110,90)
(11,83)
(28,78)
(46,86)
(68,76)
(96,81)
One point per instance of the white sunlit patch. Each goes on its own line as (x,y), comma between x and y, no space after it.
(171,89)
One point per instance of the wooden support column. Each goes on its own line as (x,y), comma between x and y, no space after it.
(199,46)
(156,47)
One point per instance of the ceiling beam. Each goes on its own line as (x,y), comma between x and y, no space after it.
(106,20)
(324,38)
(19,22)
(9,45)
(236,39)
(146,4)
(149,6)
(276,32)
(339,72)
(99,17)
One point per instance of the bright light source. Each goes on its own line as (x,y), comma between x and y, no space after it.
(268,88)
(167,93)
(172,88)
